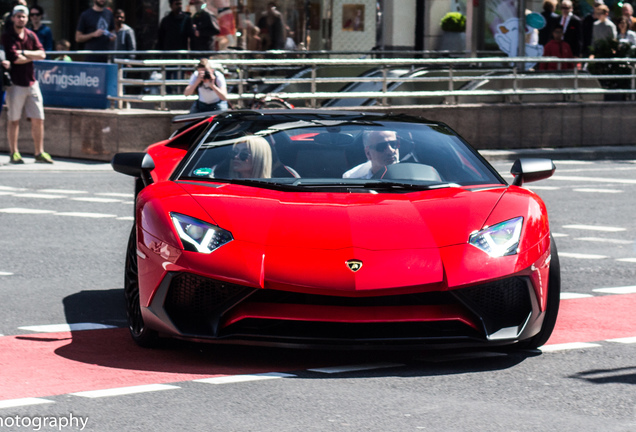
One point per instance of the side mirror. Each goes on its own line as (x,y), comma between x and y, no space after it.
(529,170)
(134,164)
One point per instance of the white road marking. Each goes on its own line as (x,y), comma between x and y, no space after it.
(572,162)
(597,168)
(605,240)
(570,296)
(62,191)
(555,235)
(126,218)
(244,378)
(87,215)
(593,179)
(595,228)
(567,346)
(14,403)
(116,194)
(617,290)
(590,190)
(38,196)
(581,256)
(16,210)
(626,340)
(75,214)
(96,199)
(58,328)
(125,390)
(355,368)
(5,273)
(548,188)
(629,260)
(9,188)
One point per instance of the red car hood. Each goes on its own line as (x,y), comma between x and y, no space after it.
(329,221)
(305,239)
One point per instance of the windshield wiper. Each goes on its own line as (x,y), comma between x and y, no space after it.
(368,184)
(392,185)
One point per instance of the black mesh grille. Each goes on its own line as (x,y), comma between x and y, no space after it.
(501,304)
(194,304)
(346,332)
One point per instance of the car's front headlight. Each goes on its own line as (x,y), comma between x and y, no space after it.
(499,240)
(199,236)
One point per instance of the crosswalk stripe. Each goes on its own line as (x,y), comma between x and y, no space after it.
(87,215)
(231,379)
(570,296)
(581,256)
(57,328)
(62,191)
(617,290)
(17,210)
(591,190)
(627,340)
(568,346)
(593,179)
(121,391)
(595,228)
(605,240)
(38,196)
(14,403)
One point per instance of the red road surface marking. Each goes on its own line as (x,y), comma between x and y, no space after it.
(41,365)
(58,363)
(595,319)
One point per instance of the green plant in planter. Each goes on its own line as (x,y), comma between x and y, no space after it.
(454,22)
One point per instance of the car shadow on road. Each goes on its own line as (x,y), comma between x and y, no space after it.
(114,348)
(624,375)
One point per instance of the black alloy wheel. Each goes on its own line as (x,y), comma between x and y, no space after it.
(143,336)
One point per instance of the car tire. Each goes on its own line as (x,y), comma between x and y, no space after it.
(141,334)
(554,299)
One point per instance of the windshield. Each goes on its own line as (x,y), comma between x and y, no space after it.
(306,151)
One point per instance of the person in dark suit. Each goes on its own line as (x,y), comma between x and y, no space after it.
(588,28)
(551,21)
(572,28)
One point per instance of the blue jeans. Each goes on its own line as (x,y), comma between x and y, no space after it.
(199,106)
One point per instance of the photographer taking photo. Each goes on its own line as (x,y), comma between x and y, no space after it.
(211,87)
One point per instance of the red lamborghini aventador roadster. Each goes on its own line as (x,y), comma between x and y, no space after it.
(336,229)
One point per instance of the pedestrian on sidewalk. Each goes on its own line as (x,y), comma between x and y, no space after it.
(22,47)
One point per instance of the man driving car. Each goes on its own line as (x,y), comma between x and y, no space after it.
(382,148)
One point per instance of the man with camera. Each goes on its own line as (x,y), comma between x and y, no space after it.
(209,83)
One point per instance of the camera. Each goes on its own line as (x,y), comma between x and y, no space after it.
(207,75)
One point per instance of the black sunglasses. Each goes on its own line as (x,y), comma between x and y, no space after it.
(36,14)
(381,147)
(242,155)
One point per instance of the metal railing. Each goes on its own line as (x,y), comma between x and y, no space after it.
(445,77)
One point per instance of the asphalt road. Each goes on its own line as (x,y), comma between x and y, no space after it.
(65,357)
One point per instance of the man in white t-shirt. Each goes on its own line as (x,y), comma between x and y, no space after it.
(382,148)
